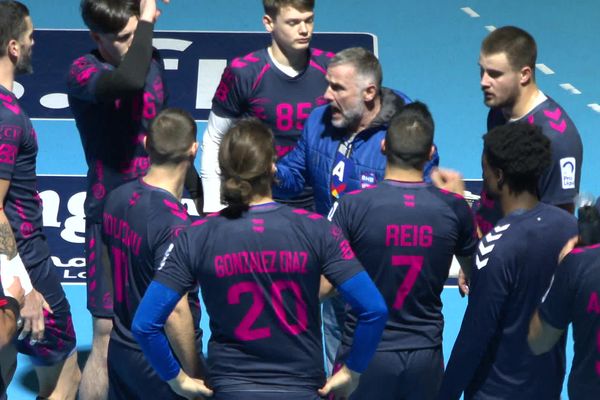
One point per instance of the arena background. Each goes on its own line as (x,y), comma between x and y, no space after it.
(428,49)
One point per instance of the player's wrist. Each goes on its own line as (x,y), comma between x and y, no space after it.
(11,269)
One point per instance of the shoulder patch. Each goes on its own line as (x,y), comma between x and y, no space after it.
(568,170)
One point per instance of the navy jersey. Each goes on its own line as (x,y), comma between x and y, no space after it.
(253,86)
(560,183)
(259,277)
(513,267)
(112,132)
(574,297)
(139,223)
(405,234)
(23,206)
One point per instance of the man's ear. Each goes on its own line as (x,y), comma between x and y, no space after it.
(526,76)
(194,149)
(268,23)
(369,93)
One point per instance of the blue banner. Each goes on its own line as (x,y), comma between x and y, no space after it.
(194,62)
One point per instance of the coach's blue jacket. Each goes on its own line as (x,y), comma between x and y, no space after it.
(311,161)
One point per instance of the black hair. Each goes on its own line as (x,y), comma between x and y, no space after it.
(171,135)
(108,16)
(12,22)
(521,151)
(409,137)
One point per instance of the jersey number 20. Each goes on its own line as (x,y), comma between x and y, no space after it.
(244,331)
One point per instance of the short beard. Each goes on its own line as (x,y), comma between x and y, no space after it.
(24,66)
(351,118)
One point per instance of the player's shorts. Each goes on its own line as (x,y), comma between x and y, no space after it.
(258,395)
(59,336)
(99,285)
(130,376)
(393,375)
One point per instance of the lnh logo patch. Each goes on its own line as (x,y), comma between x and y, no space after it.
(568,171)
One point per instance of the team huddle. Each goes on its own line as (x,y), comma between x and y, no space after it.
(326,231)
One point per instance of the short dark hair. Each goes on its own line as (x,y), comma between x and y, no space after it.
(171,135)
(108,16)
(409,137)
(365,63)
(521,151)
(12,22)
(246,156)
(518,45)
(272,7)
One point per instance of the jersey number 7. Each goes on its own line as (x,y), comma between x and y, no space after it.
(414,264)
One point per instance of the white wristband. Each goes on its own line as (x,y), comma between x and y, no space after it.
(9,269)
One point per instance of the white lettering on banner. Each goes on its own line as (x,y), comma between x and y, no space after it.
(75,224)
(77,262)
(51,202)
(339,170)
(70,274)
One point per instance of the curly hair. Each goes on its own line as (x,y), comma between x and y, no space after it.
(521,151)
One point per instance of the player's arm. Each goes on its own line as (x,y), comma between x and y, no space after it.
(194,186)
(371,311)
(180,331)
(486,299)
(542,336)
(148,324)
(553,315)
(216,127)
(341,267)
(12,266)
(291,169)
(130,75)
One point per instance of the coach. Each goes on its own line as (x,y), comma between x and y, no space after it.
(340,147)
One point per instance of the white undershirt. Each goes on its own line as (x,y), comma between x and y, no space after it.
(211,140)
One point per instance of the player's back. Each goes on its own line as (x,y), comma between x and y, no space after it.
(524,247)
(405,235)
(578,301)
(259,275)
(139,222)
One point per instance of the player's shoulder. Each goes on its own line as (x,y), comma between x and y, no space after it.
(249,64)
(83,68)
(10,112)
(499,244)
(552,118)
(321,57)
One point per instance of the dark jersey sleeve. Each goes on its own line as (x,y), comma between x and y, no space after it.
(467,239)
(558,303)
(92,81)
(230,100)
(339,262)
(489,290)
(171,219)
(176,269)
(9,145)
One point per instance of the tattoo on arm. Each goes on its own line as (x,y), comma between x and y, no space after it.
(8,245)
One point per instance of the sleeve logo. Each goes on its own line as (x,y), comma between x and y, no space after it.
(568,167)
(487,245)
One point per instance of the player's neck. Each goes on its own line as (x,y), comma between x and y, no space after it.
(403,174)
(7,73)
(259,199)
(524,104)
(511,202)
(168,178)
(297,59)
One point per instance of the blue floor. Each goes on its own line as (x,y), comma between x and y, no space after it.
(428,49)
